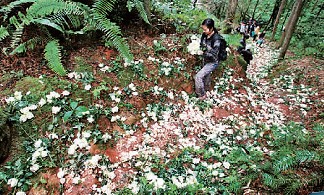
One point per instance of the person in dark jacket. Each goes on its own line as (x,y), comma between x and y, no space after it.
(247,54)
(210,45)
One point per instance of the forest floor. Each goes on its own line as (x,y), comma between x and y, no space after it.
(156,121)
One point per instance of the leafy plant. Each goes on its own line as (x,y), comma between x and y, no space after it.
(66,17)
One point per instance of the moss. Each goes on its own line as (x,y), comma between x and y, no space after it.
(31,84)
(125,77)
(81,65)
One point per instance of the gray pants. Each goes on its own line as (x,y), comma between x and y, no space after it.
(202,78)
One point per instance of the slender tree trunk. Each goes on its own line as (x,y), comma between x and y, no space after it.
(231,10)
(283,35)
(273,15)
(298,8)
(281,8)
(256,5)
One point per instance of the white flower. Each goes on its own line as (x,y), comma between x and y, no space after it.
(150,176)
(159,183)
(90,119)
(61,173)
(105,189)
(53,136)
(195,160)
(12,182)
(170,95)
(72,149)
(38,143)
(62,180)
(65,93)
(32,107)
(87,87)
(20,193)
(106,137)
(56,109)
(76,180)
(86,134)
(135,93)
(132,87)
(18,95)
(114,109)
(111,175)
(134,187)
(226,165)
(42,102)
(10,99)
(34,168)
(101,65)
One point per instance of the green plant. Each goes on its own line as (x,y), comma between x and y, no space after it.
(139,5)
(66,17)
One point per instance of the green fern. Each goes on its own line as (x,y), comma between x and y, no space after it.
(284,163)
(139,5)
(28,45)
(8,8)
(111,30)
(16,37)
(53,56)
(3,33)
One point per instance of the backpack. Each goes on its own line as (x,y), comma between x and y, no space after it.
(222,55)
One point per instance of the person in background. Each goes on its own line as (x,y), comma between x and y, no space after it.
(242,28)
(256,33)
(242,43)
(247,55)
(261,38)
(211,46)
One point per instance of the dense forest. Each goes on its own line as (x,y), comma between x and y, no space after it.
(99,97)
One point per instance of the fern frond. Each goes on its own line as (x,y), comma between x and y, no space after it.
(42,8)
(102,7)
(139,5)
(53,56)
(8,8)
(113,35)
(284,163)
(3,33)
(305,155)
(28,45)
(16,37)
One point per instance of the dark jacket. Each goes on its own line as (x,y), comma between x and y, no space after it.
(211,47)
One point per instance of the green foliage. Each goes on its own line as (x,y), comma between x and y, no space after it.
(139,5)
(53,56)
(3,33)
(182,15)
(68,18)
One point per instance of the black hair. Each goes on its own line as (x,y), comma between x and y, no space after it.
(209,23)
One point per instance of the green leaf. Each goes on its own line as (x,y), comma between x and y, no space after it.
(80,110)
(67,115)
(49,23)
(74,105)
(53,56)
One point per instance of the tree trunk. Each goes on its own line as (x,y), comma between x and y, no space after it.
(295,16)
(283,35)
(231,9)
(147,7)
(281,8)
(273,15)
(256,5)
